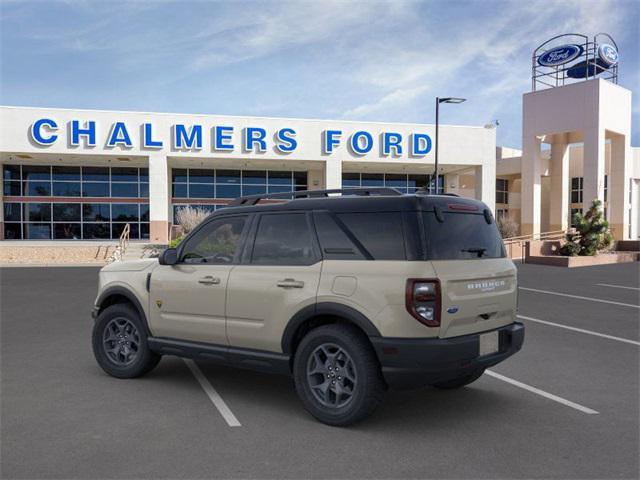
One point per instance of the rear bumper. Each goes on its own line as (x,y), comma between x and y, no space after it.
(412,363)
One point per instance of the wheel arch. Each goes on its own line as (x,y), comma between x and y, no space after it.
(323,313)
(118,294)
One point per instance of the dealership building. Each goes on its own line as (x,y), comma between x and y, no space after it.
(85,174)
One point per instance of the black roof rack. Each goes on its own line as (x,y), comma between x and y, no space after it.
(254,199)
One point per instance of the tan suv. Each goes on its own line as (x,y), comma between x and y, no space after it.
(350,292)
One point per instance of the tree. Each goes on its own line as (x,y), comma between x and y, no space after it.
(508,226)
(592,233)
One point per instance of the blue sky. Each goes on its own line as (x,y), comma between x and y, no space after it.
(377,61)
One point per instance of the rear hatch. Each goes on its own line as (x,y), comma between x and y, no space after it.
(478,282)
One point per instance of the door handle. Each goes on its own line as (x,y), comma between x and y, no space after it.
(290,283)
(209,280)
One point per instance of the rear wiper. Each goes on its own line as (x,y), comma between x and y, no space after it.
(479,251)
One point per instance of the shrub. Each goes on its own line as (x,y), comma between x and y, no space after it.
(508,226)
(190,217)
(174,243)
(592,233)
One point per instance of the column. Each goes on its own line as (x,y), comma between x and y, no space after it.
(1,208)
(531,186)
(559,196)
(159,198)
(314,179)
(593,167)
(618,188)
(332,174)
(485,184)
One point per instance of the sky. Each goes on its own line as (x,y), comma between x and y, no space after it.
(344,60)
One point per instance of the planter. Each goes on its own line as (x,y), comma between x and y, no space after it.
(601,259)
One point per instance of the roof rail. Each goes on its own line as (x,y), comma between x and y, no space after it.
(254,199)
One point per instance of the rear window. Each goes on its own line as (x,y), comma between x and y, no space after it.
(462,236)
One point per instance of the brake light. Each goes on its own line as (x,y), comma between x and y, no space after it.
(462,207)
(423,301)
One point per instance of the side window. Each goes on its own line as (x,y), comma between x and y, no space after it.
(215,243)
(335,243)
(380,233)
(283,239)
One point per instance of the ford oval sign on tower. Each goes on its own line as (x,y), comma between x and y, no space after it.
(608,54)
(560,55)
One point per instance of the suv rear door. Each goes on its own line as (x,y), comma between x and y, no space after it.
(277,277)
(478,282)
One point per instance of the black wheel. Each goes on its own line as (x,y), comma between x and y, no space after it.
(337,375)
(460,381)
(120,343)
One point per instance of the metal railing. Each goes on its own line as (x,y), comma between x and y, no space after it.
(123,244)
(516,246)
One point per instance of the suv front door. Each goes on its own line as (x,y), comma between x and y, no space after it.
(278,276)
(187,300)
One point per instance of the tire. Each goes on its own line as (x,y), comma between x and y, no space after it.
(318,361)
(460,381)
(120,327)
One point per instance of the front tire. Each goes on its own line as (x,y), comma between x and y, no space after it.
(337,375)
(119,343)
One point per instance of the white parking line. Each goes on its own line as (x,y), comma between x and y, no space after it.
(581,330)
(213,395)
(616,286)
(542,393)
(580,298)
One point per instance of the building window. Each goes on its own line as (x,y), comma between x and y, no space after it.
(502,190)
(576,190)
(65,211)
(502,213)
(573,212)
(400,181)
(606,187)
(229,184)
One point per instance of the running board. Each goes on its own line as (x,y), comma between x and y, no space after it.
(259,360)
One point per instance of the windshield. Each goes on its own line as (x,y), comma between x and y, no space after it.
(462,235)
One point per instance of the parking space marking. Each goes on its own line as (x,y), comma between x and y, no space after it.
(542,393)
(580,297)
(616,286)
(213,395)
(581,330)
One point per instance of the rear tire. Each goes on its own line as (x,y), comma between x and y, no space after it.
(337,375)
(460,381)
(119,343)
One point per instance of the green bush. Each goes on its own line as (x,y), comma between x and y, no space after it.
(592,233)
(176,241)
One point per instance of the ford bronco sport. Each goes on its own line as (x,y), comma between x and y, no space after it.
(350,291)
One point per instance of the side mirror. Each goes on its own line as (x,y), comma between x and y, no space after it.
(168,257)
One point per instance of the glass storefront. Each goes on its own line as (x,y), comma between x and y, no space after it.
(114,197)
(406,183)
(221,184)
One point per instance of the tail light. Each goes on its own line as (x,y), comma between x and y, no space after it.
(423,301)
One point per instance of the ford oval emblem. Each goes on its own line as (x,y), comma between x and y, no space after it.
(608,54)
(452,310)
(560,55)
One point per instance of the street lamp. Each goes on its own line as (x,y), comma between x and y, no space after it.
(438,102)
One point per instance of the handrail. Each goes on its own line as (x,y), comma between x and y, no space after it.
(538,236)
(123,244)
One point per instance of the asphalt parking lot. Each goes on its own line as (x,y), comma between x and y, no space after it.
(566,406)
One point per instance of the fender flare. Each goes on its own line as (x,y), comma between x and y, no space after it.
(129,295)
(325,308)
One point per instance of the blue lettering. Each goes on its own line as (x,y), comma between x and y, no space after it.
(253,136)
(221,137)
(286,141)
(186,139)
(89,131)
(329,140)
(36,131)
(147,138)
(356,144)
(421,144)
(119,136)
(391,140)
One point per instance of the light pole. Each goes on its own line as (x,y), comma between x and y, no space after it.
(438,102)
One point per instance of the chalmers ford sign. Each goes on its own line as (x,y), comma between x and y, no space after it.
(222,138)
